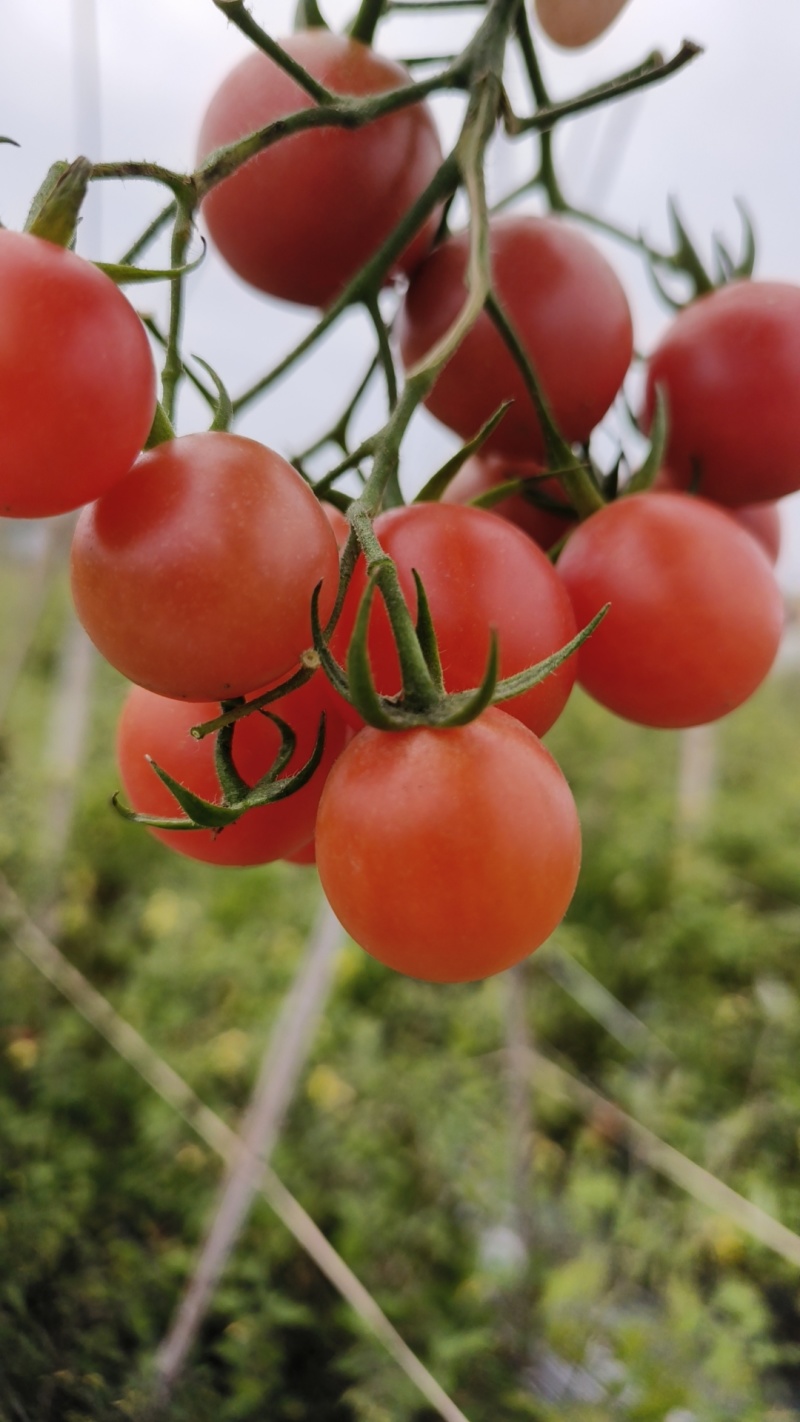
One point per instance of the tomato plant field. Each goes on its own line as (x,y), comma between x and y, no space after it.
(399,475)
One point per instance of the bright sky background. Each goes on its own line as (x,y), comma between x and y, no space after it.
(728,126)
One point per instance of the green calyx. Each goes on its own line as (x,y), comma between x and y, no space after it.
(423,700)
(55,211)
(237,796)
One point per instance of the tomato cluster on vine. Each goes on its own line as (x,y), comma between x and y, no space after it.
(368,682)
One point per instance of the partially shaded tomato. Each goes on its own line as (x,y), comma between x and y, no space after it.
(159,728)
(477,476)
(570,313)
(302,217)
(479,573)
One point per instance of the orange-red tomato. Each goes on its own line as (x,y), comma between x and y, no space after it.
(570,313)
(159,728)
(479,573)
(302,217)
(448,854)
(696,614)
(77,380)
(194,574)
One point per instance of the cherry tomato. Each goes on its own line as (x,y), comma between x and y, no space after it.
(301,218)
(729,366)
(573,23)
(479,573)
(477,476)
(448,854)
(570,313)
(696,614)
(160,728)
(77,381)
(763,521)
(194,575)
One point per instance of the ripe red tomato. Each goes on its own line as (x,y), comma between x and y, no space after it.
(696,614)
(448,854)
(570,313)
(729,366)
(155,726)
(477,476)
(301,218)
(77,381)
(763,521)
(479,573)
(194,575)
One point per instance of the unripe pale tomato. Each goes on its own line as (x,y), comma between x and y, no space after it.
(302,217)
(159,728)
(696,614)
(570,313)
(194,575)
(448,854)
(729,368)
(77,380)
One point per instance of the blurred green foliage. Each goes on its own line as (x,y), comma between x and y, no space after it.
(541,1271)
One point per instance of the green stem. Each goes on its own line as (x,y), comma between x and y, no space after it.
(366,21)
(173,365)
(384,349)
(651,71)
(239,15)
(369,279)
(575,479)
(157,225)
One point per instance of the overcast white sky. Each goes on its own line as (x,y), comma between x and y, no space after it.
(728,126)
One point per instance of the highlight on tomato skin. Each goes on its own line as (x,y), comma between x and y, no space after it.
(695,617)
(569,310)
(194,575)
(266,219)
(448,855)
(479,573)
(158,728)
(77,379)
(729,369)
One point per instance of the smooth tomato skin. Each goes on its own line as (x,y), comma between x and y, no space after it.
(301,218)
(477,476)
(696,614)
(729,366)
(569,310)
(479,572)
(451,854)
(77,380)
(194,575)
(158,727)
(763,521)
